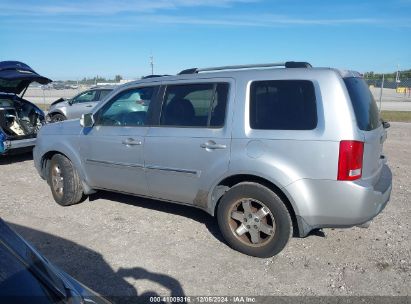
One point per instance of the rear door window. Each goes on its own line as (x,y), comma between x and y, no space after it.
(365,107)
(283,105)
(195,105)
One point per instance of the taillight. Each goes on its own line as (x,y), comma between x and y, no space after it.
(350,160)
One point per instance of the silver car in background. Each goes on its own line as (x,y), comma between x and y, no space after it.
(80,104)
(271,150)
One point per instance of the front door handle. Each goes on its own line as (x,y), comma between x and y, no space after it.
(131,142)
(89,106)
(212,145)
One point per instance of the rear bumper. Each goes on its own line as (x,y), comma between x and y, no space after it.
(10,145)
(327,203)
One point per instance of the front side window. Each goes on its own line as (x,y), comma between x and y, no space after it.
(87,96)
(195,105)
(283,105)
(128,108)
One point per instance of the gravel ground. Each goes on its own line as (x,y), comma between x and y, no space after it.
(122,245)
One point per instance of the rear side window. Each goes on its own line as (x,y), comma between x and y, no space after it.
(365,107)
(283,105)
(195,105)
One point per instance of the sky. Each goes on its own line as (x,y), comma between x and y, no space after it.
(72,39)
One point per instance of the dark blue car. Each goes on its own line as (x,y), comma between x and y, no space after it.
(20,120)
(28,277)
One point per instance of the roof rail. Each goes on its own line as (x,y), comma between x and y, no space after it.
(288,64)
(153,76)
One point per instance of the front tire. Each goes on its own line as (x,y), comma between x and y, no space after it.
(57,118)
(64,181)
(254,220)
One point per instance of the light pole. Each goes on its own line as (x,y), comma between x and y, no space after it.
(152,64)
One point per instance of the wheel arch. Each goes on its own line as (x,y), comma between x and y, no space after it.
(51,114)
(45,162)
(228,182)
(45,166)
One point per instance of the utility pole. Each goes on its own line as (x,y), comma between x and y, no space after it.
(397,77)
(381,91)
(152,64)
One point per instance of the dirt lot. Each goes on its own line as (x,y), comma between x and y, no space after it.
(120,245)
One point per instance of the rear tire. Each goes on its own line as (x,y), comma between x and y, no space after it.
(64,181)
(57,118)
(254,220)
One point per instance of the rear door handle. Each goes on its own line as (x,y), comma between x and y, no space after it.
(212,145)
(89,106)
(131,142)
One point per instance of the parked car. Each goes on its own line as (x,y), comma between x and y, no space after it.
(28,277)
(20,120)
(80,104)
(268,150)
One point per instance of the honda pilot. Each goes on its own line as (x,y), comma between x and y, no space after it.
(270,150)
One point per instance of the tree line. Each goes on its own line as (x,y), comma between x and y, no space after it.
(94,80)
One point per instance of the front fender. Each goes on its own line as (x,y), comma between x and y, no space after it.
(52,144)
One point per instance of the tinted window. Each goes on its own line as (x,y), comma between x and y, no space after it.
(365,107)
(283,105)
(195,105)
(128,108)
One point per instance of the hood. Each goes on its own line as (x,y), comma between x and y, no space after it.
(16,76)
(60,100)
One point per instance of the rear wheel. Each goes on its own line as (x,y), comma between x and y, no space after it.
(64,181)
(254,220)
(58,117)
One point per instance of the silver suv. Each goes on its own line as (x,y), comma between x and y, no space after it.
(271,150)
(80,104)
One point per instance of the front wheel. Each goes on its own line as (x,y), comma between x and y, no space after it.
(57,118)
(64,181)
(254,220)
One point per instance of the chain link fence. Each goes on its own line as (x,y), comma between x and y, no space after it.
(390,89)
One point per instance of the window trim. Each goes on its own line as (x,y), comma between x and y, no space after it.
(282,80)
(215,85)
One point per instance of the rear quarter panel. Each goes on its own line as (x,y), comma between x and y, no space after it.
(286,156)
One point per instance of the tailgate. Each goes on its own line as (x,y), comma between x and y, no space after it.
(373,159)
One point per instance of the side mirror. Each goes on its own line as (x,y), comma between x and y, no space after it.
(70,102)
(87,120)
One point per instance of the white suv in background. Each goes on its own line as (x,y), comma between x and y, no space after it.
(80,104)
